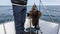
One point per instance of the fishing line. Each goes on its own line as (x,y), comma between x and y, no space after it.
(47,11)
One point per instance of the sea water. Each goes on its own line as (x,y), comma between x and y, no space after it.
(6,13)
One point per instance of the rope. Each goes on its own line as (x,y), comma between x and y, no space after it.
(47,11)
(4,28)
(11,18)
(4,25)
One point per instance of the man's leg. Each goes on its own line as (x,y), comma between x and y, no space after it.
(19,17)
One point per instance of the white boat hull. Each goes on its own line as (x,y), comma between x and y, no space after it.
(46,27)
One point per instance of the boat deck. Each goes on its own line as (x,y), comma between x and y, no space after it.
(46,27)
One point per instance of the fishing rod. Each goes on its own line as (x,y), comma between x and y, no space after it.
(38,23)
(41,4)
(46,11)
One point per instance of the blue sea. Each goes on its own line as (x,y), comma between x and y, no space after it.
(6,13)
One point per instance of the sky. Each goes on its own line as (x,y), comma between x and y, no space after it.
(31,2)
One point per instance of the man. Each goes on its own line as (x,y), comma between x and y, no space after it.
(19,12)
